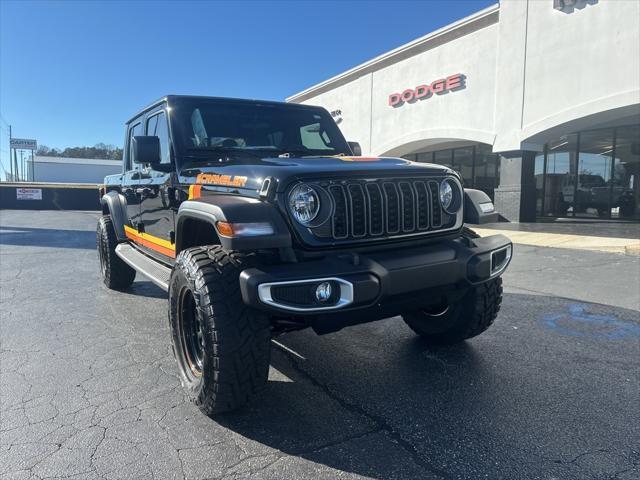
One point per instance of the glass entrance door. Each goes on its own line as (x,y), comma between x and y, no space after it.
(559,178)
(593,186)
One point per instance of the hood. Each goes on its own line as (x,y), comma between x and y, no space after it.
(115,179)
(250,174)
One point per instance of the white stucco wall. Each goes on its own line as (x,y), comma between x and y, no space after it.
(463,114)
(532,74)
(564,71)
(580,63)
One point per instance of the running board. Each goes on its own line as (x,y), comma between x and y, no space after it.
(154,271)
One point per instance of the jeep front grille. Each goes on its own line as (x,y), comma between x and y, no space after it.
(384,208)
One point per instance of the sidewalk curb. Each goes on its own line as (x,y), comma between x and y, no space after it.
(632,250)
(625,246)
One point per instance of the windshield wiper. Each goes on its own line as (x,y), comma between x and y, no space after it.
(228,150)
(305,154)
(228,154)
(207,156)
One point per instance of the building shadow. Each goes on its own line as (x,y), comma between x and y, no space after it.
(47,237)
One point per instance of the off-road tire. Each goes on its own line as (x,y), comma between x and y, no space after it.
(471,316)
(116,274)
(234,348)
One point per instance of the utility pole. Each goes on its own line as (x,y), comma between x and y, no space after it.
(21,166)
(10,159)
(15,161)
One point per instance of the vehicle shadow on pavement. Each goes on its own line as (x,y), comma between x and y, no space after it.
(142,287)
(376,401)
(308,413)
(47,237)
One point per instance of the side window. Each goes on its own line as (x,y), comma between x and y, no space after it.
(314,137)
(134,131)
(157,126)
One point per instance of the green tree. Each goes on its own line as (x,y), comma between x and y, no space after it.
(98,151)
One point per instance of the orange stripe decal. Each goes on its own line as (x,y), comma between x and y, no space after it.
(359,159)
(154,243)
(194,191)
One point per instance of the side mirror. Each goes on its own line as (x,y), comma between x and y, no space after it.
(355,148)
(146,149)
(478,208)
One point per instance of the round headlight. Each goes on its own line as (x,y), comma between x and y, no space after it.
(304,203)
(449,196)
(446,194)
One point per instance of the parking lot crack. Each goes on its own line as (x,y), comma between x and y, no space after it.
(339,441)
(241,473)
(378,420)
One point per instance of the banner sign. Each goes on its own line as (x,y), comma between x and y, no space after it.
(28,194)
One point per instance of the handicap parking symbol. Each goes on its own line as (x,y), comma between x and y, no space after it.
(577,321)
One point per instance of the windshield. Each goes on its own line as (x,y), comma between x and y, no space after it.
(203,126)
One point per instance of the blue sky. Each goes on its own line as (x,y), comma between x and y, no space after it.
(71,73)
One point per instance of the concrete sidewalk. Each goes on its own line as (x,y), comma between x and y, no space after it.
(542,235)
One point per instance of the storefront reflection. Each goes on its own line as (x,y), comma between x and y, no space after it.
(477,164)
(591,174)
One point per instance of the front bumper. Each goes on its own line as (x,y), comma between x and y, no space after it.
(380,284)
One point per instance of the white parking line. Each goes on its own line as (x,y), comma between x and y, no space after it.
(287,349)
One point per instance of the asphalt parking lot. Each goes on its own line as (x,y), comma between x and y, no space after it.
(88,386)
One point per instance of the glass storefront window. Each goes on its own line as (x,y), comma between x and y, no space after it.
(538,173)
(426,157)
(487,170)
(625,197)
(478,166)
(593,173)
(559,183)
(443,157)
(463,163)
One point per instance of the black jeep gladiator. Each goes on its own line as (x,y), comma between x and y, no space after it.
(258,218)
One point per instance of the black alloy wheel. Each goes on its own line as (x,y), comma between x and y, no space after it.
(221,345)
(191,332)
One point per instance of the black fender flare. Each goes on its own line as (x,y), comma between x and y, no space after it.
(236,209)
(116,205)
(478,207)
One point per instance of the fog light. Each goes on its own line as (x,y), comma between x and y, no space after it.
(323,292)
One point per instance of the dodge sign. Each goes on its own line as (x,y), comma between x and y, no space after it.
(421,92)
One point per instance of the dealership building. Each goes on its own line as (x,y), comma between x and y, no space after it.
(535,102)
